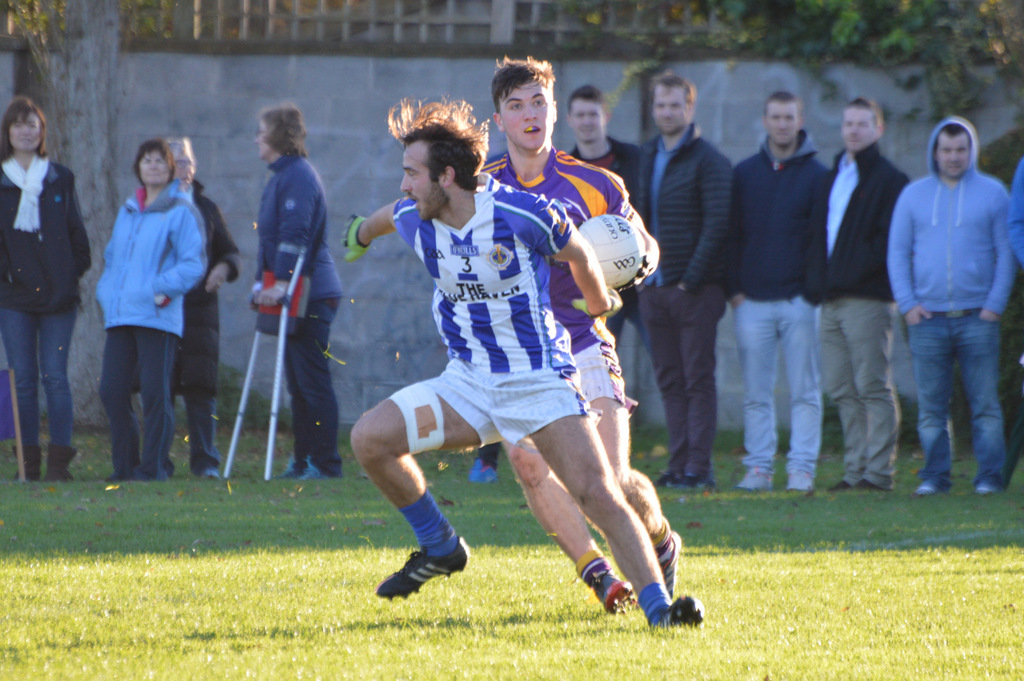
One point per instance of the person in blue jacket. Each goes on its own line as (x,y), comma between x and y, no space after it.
(292,217)
(155,255)
(951,269)
(44,251)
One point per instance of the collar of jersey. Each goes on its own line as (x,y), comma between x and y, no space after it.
(548,169)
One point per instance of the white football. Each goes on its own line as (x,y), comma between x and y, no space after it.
(619,247)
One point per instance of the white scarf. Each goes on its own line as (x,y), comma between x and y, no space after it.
(30,182)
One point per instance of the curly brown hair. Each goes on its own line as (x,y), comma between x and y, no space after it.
(450,130)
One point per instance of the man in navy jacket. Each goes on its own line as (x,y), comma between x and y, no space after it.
(772,196)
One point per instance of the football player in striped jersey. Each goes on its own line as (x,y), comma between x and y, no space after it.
(510,372)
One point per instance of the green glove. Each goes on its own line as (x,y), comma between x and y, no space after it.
(355,249)
(581,304)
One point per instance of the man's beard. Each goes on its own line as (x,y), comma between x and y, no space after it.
(437,200)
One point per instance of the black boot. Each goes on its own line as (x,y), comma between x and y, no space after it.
(57,460)
(33,459)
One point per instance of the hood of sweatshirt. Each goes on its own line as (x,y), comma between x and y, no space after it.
(969,174)
(933,167)
(804,149)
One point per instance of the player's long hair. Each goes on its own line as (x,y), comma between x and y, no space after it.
(510,74)
(451,132)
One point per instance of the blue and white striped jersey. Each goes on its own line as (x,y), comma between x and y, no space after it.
(586,191)
(491,302)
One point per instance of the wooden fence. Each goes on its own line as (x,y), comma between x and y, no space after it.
(476,22)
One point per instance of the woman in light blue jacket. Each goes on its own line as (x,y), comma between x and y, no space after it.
(155,256)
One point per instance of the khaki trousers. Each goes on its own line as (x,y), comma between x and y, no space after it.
(856,359)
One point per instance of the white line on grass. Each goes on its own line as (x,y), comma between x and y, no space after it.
(937,540)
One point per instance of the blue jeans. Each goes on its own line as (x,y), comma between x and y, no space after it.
(35,342)
(314,404)
(132,351)
(201,411)
(762,327)
(974,343)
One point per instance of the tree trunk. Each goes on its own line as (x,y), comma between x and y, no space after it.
(80,70)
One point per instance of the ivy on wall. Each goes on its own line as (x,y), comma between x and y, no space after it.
(951,39)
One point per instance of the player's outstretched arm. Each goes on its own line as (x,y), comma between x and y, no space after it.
(360,232)
(598,299)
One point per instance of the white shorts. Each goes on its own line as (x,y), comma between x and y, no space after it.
(507,406)
(599,373)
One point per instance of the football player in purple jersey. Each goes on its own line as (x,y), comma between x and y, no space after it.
(525,110)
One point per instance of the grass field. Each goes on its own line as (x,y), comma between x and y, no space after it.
(209,580)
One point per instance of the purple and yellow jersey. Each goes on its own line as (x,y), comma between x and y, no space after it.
(491,300)
(585,191)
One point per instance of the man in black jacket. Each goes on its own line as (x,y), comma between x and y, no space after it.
(588,119)
(847,273)
(685,186)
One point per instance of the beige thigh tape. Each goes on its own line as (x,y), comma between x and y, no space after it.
(424,422)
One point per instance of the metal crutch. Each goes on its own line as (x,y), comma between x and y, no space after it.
(282,336)
(243,403)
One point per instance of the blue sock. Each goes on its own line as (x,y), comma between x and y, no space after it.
(432,530)
(654,601)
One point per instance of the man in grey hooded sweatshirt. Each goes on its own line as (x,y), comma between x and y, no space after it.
(951,270)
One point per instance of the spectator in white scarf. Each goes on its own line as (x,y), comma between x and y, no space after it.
(44,251)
